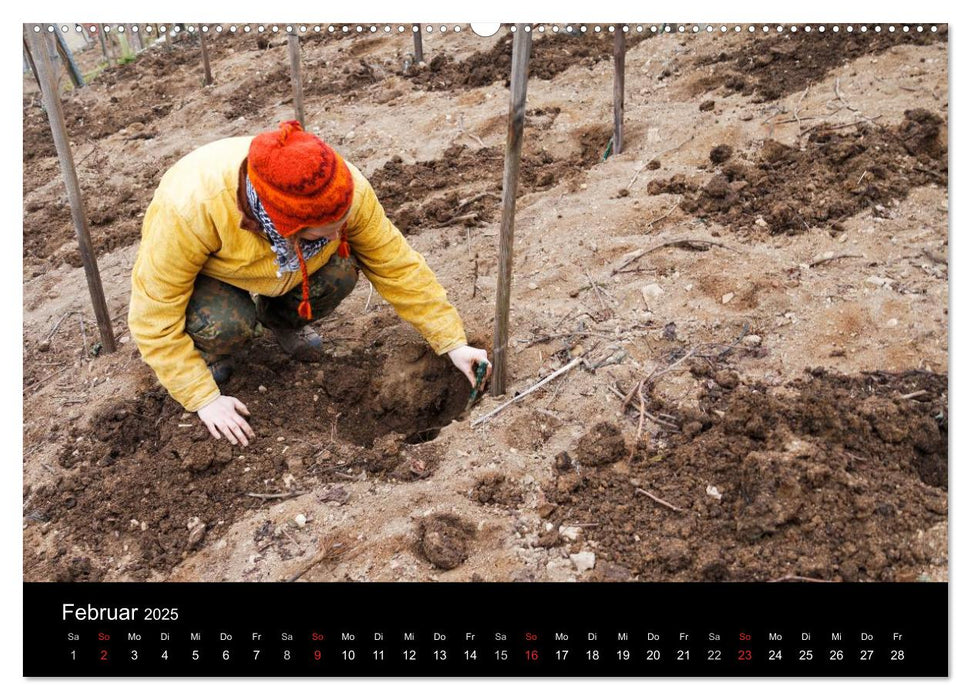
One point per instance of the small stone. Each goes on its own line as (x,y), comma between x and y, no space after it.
(713,492)
(280,439)
(294,462)
(262,389)
(752,341)
(44,345)
(878,281)
(196,533)
(300,519)
(892,323)
(533,285)
(570,533)
(761,223)
(651,291)
(828,255)
(583,561)
(728,297)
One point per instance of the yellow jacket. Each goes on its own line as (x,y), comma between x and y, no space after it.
(192,227)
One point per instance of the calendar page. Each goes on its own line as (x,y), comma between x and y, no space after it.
(450,349)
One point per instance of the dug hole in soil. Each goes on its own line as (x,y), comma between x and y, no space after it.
(758,286)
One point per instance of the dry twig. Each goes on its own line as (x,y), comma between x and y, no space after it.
(596,289)
(57,325)
(282,495)
(913,395)
(675,242)
(656,499)
(795,110)
(821,261)
(665,215)
(367,304)
(562,370)
(460,219)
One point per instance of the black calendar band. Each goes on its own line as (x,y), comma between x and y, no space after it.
(486,629)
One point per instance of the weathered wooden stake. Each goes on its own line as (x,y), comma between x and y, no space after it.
(104,46)
(55,114)
(30,61)
(620,51)
(294,43)
(419,55)
(207,80)
(65,52)
(510,182)
(137,33)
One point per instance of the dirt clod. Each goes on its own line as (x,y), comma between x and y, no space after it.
(602,445)
(720,153)
(444,539)
(494,488)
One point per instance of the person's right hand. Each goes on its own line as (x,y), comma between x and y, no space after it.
(222,415)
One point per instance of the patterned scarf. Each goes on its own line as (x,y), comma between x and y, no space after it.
(286,254)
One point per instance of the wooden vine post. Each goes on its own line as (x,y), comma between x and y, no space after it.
(419,55)
(510,182)
(205,57)
(30,61)
(620,51)
(64,51)
(55,114)
(104,45)
(294,44)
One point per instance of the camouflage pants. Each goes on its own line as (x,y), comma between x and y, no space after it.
(221,318)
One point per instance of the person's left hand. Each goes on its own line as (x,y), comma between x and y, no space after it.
(466,357)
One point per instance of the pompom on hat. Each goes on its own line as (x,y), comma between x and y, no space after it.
(300,180)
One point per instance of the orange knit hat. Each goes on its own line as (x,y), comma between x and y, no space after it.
(300,180)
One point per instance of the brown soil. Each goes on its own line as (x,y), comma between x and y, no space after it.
(466,184)
(779,65)
(836,175)
(130,481)
(549,56)
(827,479)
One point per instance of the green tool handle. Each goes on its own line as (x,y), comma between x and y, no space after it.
(480,373)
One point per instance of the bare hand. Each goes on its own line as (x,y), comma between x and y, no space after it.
(466,357)
(222,415)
